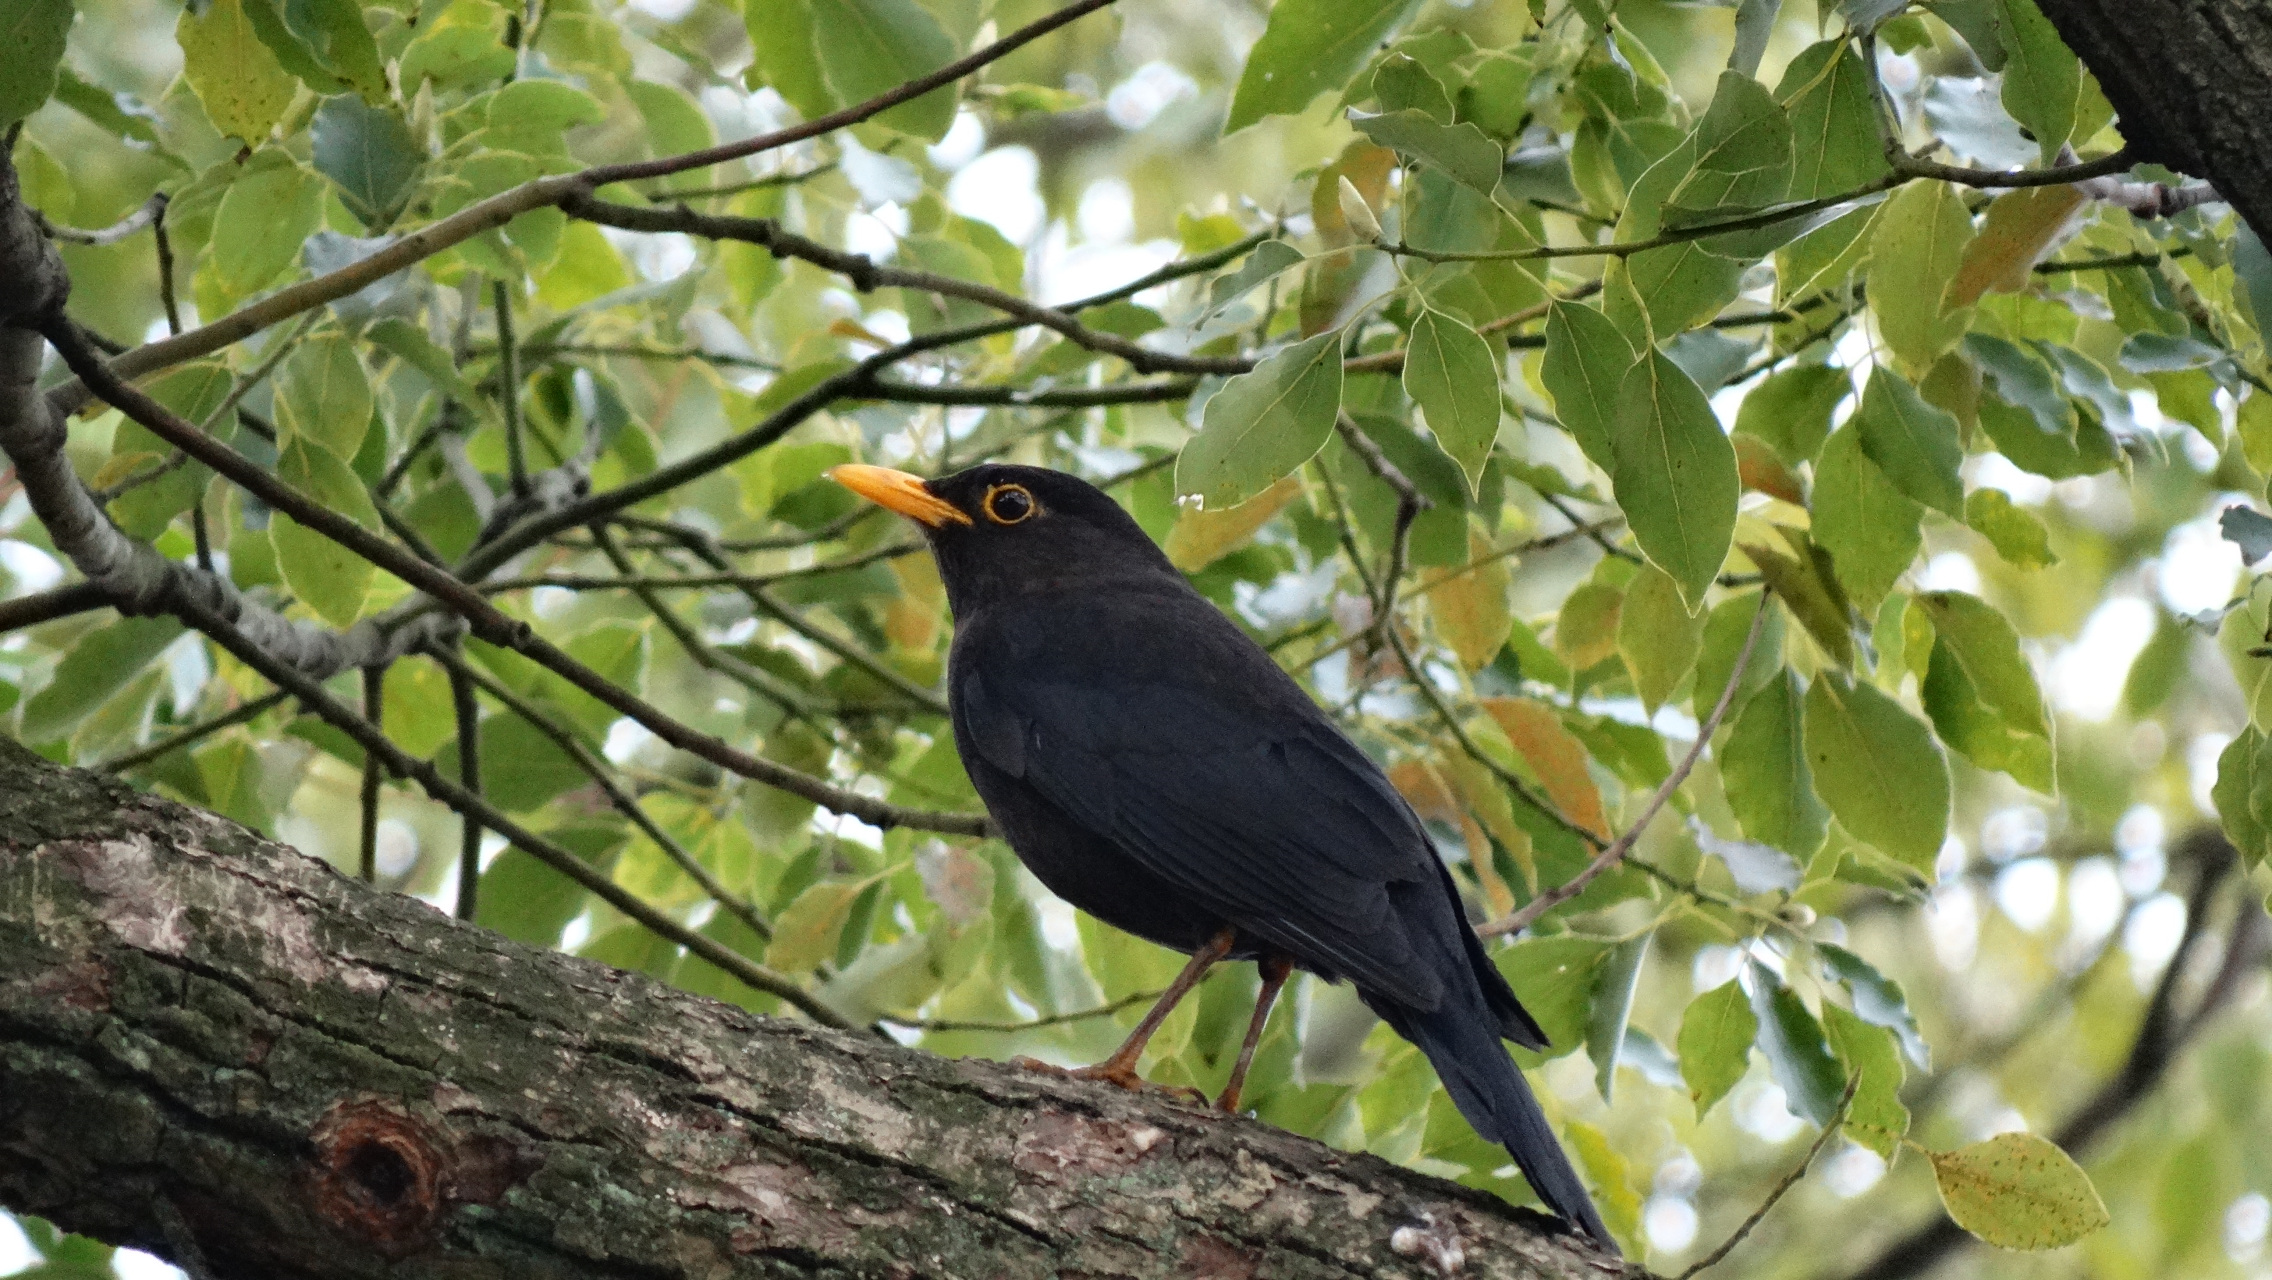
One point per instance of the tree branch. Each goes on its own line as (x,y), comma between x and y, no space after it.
(216,1049)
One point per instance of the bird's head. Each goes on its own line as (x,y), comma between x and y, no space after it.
(1000,530)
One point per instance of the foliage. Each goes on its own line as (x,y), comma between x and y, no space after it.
(1524,353)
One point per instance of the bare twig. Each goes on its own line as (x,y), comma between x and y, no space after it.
(401,763)
(192,735)
(1616,850)
(1783,1186)
(1032,1024)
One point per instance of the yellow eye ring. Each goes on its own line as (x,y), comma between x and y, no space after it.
(1008,503)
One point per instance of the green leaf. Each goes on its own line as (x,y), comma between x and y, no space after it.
(95,668)
(244,89)
(1658,636)
(1739,157)
(1555,978)
(1982,639)
(2043,81)
(1790,409)
(1725,629)
(1613,1008)
(1454,375)
(1915,252)
(808,929)
(1268,259)
(1878,768)
(1715,1043)
(1586,361)
(870,47)
(1264,424)
(1796,1049)
(1868,526)
(408,343)
(1877,1000)
(1807,584)
(2016,534)
(1875,1118)
(1764,769)
(1675,474)
(32,36)
(781,37)
(1915,444)
(1402,82)
(1834,128)
(2243,772)
(192,391)
(368,153)
(323,395)
(1308,47)
(327,577)
(2018,1191)
(1461,150)
(265,216)
(323,42)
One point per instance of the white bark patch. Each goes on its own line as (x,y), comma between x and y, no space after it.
(867,1115)
(130,899)
(149,909)
(1055,1142)
(1251,1182)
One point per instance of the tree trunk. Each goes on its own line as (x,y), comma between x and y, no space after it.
(219,1050)
(2191,83)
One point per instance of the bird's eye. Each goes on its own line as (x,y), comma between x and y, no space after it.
(1008,503)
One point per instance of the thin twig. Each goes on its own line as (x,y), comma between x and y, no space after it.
(401,763)
(1618,848)
(192,735)
(1789,1180)
(1031,1024)
(625,803)
(374,710)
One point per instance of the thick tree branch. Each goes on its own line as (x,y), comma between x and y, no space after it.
(2191,84)
(217,1049)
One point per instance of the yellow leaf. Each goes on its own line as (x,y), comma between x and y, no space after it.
(1555,755)
(1200,538)
(2018,1191)
(1586,633)
(1469,605)
(1487,801)
(2020,226)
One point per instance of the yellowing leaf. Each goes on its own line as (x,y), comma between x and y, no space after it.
(1469,605)
(1201,537)
(1657,635)
(2018,1191)
(2020,226)
(244,88)
(1586,632)
(1555,755)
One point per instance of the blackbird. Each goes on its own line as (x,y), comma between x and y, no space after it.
(1154,767)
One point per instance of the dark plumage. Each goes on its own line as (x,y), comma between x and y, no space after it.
(1154,767)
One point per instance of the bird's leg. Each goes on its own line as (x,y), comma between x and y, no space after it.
(1275,970)
(1120,1068)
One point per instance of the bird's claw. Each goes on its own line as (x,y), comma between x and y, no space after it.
(1116,1073)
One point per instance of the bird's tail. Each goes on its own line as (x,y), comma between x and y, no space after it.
(1490,1091)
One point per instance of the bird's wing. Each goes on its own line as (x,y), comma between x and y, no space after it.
(1267,816)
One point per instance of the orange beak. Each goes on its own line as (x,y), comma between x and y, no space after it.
(898,491)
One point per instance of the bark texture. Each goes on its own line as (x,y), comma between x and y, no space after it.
(2191,84)
(216,1049)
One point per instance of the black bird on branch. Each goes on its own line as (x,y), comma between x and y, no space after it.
(1154,767)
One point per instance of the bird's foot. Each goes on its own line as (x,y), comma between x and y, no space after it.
(1112,1071)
